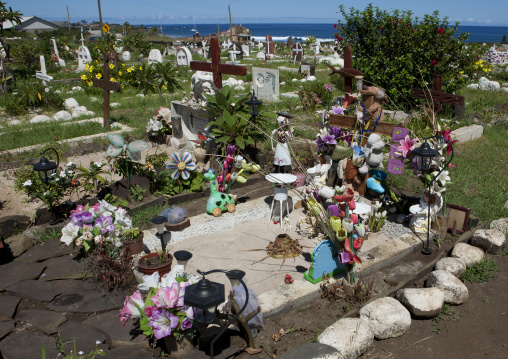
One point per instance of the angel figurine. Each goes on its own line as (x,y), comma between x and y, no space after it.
(282,156)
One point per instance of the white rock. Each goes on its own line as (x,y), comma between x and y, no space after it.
(422,302)
(455,266)
(140,95)
(58,91)
(39,119)
(350,336)
(500,224)
(94,99)
(294,80)
(240,88)
(455,291)
(70,103)
(387,317)
(282,83)
(487,85)
(473,86)
(311,78)
(62,116)
(77,88)
(81,111)
(114,104)
(469,254)
(200,76)
(334,60)
(232,82)
(490,240)
(15,122)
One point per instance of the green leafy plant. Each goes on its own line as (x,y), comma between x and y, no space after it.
(446,312)
(116,201)
(167,186)
(130,234)
(481,272)
(157,78)
(92,176)
(137,192)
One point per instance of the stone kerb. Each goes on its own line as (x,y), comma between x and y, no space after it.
(490,240)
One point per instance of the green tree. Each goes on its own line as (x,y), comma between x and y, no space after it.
(503,41)
(7,15)
(397,51)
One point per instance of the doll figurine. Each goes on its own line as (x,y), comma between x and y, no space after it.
(282,156)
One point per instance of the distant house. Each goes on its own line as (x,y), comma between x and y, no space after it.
(62,24)
(31,24)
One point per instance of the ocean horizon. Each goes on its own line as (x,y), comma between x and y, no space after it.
(322,32)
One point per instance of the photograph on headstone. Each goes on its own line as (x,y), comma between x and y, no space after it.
(310,68)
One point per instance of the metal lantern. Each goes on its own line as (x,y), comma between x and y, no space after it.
(359,82)
(234,277)
(45,167)
(424,154)
(254,104)
(204,297)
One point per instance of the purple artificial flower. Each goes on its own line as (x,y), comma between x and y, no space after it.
(87,217)
(77,219)
(105,224)
(335,131)
(334,210)
(337,110)
(231,150)
(186,324)
(344,257)
(162,322)
(328,87)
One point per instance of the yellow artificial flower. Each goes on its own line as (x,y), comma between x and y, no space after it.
(112,79)
(98,76)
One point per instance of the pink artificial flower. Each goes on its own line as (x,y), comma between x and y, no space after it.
(79,209)
(149,309)
(434,62)
(352,205)
(406,145)
(354,218)
(165,297)
(130,307)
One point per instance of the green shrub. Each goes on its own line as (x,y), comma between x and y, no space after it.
(397,51)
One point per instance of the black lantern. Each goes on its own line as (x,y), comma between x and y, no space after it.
(424,155)
(254,104)
(204,297)
(45,167)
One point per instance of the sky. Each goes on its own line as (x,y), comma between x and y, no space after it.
(467,12)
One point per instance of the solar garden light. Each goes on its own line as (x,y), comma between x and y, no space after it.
(162,234)
(46,168)
(254,104)
(359,82)
(424,155)
(204,297)
(182,257)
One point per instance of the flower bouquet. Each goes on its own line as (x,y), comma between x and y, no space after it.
(158,307)
(232,171)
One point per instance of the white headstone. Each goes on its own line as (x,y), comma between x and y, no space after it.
(260,45)
(265,83)
(183,56)
(260,55)
(205,49)
(246,50)
(155,56)
(126,56)
(42,75)
(84,57)
(233,52)
(55,52)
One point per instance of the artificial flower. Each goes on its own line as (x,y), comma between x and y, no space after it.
(162,322)
(354,218)
(360,229)
(165,297)
(181,165)
(149,281)
(406,145)
(357,243)
(69,233)
(347,224)
(335,223)
(27,183)
(130,307)
(337,110)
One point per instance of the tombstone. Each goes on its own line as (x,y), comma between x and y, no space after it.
(306,66)
(235,53)
(154,56)
(315,46)
(290,42)
(260,45)
(297,52)
(84,57)
(206,49)
(42,75)
(194,119)
(246,50)
(265,83)
(260,55)
(183,56)
(61,62)
(126,55)
(269,45)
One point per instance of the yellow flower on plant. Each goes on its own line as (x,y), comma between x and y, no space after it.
(140,68)
(111,66)
(119,73)
(98,76)
(112,79)
(89,83)
(83,77)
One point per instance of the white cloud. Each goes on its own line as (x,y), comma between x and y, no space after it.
(470,19)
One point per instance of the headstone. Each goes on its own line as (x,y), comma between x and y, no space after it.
(269,45)
(84,57)
(246,50)
(265,83)
(235,53)
(206,49)
(316,47)
(193,119)
(155,56)
(55,52)
(297,52)
(183,56)
(260,55)
(126,56)
(305,66)
(436,97)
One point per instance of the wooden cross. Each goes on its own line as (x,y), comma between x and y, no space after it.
(297,52)
(348,71)
(436,97)
(107,86)
(215,67)
(269,45)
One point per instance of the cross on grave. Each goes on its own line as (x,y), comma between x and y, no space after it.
(347,71)
(269,45)
(215,67)
(297,52)
(436,97)
(233,52)
(42,74)
(107,86)
(205,49)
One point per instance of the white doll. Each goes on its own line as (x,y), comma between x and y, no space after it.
(282,156)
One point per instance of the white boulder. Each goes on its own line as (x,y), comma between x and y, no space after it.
(469,254)
(311,78)
(473,86)
(487,85)
(500,224)
(76,88)
(81,111)
(350,336)
(17,122)
(422,302)
(232,82)
(38,119)
(334,60)
(70,103)
(455,266)
(454,290)
(114,104)
(490,240)
(387,317)
(62,116)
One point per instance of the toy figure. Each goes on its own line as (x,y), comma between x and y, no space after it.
(282,156)
(218,202)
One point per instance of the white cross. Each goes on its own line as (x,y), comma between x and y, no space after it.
(298,48)
(205,49)
(268,42)
(233,53)
(82,40)
(42,74)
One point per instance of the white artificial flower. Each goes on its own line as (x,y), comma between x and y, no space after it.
(79,241)
(98,342)
(98,164)
(383,214)
(149,281)
(99,239)
(106,206)
(27,183)
(122,218)
(70,172)
(56,179)
(87,236)
(54,174)
(70,164)
(62,174)
(69,233)
(167,281)
(81,352)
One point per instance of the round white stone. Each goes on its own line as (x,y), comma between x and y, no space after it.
(455,291)
(70,103)
(40,118)
(422,302)
(500,224)
(387,317)
(455,266)
(469,254)
(350,336)
(490,240)
(62,116)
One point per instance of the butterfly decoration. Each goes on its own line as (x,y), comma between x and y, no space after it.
(117,146)
(201,140)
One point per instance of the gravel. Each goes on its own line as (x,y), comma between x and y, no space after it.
(393,229)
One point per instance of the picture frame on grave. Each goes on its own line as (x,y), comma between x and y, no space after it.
(460,216)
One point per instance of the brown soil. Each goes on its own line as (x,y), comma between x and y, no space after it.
(154,262)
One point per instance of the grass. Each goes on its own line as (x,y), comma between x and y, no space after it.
(481,272)
(446,312)
(142,218)
(44,236)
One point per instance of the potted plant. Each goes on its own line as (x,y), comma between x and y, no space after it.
(157,306)
(159,261)
(133,239)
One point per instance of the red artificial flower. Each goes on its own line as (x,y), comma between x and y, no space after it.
(357,243)
(335,25)
(288,279)
(354,218)
(440,30)
(434,62)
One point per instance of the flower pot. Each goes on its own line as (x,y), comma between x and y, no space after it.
(162,268)
(200,154)
(180,347)
(136,245)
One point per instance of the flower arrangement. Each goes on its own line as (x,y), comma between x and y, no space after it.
(158,307)
(232,170)
(328,137)
(160,123)
(377,217)
(90,225)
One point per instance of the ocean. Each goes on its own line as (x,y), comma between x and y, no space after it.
(322,32)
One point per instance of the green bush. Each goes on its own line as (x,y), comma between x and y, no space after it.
(397,51)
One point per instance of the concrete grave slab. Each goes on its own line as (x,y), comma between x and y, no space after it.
(468,133)
(6,327)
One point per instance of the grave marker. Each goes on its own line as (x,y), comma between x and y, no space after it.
(61,62)
(42,74)
(234,53)
(154,56)
(84,57)
(107,86)
(205,49)
(297,52)
(215,67)
(126,55)
(436,96)
(305,66)
(269,46)
(183,56)
(315,46)
(348,72)
(265,83)
(246,50)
